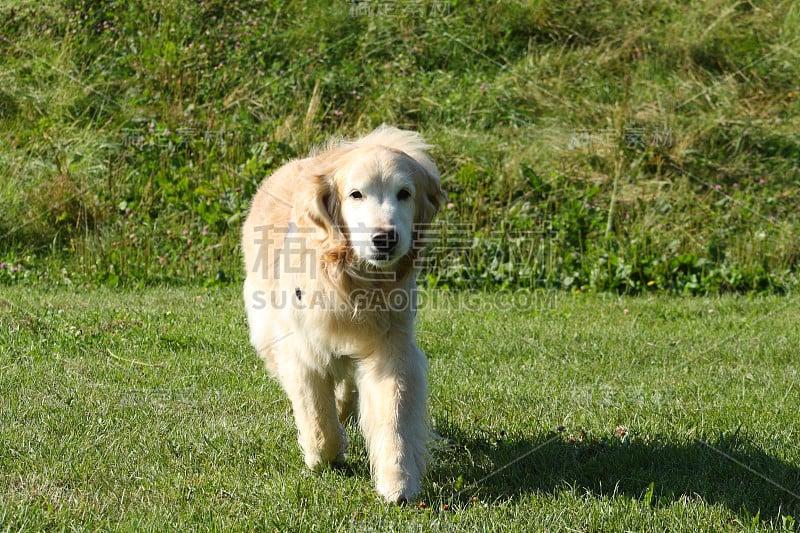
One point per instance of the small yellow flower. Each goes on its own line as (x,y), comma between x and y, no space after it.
(651,283)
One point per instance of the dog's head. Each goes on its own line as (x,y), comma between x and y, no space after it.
(372,199)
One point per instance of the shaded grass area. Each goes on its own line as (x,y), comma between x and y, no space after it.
(626,147)
(149,410)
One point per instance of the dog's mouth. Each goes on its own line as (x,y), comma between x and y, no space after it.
(375,267)
(381,259)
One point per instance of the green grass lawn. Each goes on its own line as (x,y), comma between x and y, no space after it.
(149,410)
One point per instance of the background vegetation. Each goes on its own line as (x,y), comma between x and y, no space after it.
(602,145)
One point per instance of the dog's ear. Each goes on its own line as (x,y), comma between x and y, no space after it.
(316,201)
(429,199)
(317,205)
(430,195)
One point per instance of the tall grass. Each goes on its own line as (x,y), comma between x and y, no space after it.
(584,145)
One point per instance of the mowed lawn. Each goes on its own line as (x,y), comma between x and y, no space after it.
(148,410)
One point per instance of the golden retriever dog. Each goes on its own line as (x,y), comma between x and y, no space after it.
(330,246)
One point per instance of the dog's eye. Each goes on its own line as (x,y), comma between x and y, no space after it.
(404,194)
(356,195)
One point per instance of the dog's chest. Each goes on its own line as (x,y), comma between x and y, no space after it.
(341,328)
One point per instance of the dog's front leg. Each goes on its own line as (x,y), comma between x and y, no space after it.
(311,392)
(393,392)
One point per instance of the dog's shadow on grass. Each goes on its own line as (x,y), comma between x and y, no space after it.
(725,469)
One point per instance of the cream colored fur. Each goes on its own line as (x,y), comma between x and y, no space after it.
(332,313)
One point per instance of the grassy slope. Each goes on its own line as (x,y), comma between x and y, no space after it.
(149,410)
(630,146)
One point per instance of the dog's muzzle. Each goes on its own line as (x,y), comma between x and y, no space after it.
(384,242)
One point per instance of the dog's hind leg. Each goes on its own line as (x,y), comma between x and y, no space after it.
(346,398)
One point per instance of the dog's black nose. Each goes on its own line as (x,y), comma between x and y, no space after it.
(384,241)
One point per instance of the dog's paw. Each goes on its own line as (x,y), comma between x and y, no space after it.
(399,492)
(398,498)
(316,463)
